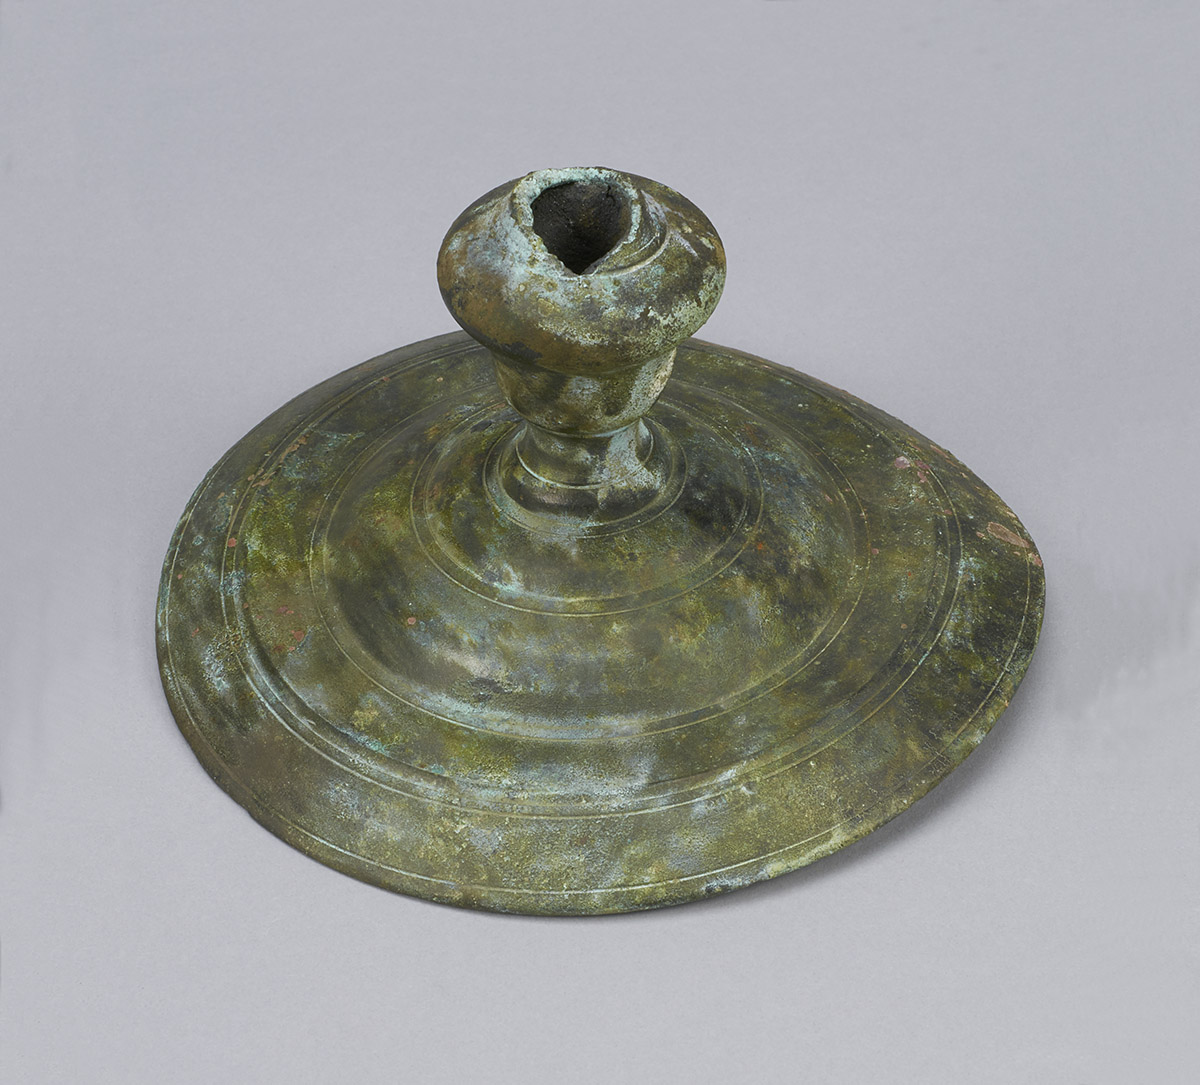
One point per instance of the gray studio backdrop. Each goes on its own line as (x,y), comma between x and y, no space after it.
(979,216)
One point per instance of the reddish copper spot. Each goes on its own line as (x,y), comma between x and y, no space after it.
(179,576)
(298,634)
(412,621)
(1007,535)
(903,463)
(874,549)
(232,541)
(1036,559)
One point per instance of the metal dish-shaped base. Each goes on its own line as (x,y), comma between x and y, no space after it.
(408,671)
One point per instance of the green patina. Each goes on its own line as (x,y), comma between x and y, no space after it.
(607,641)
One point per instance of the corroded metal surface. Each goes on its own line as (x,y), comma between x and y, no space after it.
(520,661)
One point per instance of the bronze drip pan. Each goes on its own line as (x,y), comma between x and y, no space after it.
(511,620)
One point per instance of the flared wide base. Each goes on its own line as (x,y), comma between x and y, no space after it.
(403,667)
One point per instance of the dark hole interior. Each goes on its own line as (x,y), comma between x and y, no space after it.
(581,221)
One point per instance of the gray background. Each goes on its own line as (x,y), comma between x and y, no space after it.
(980,216)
